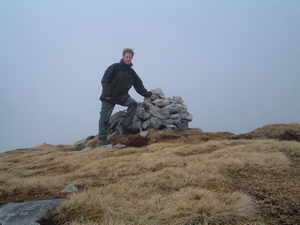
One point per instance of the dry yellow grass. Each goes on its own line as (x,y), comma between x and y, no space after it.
(166,182)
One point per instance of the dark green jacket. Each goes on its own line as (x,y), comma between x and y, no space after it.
(117,80)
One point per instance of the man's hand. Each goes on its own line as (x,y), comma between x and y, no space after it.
(153,93)
(107,97)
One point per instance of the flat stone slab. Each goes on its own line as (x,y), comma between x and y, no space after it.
(25,212)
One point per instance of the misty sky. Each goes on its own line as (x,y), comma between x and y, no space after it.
(236,64)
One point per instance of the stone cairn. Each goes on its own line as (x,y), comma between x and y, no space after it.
(157,112)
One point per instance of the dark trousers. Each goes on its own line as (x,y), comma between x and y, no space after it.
(106,111)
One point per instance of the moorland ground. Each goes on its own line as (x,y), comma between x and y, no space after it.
(166,178)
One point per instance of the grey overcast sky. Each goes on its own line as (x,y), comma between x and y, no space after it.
(235,64)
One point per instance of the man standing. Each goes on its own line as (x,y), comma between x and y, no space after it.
(116,82)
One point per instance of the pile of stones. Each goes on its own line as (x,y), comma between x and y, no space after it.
(157,112)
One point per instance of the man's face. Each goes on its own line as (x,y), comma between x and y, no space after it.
(127,58)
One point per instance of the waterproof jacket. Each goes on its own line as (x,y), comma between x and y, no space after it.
(117,80)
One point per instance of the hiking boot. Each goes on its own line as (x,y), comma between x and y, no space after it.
(102,142)
(130,130)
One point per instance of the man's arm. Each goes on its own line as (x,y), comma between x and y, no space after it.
(139,87)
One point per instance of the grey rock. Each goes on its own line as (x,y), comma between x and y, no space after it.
(70,189)
(26,212)
(176,121)
(116,116)
(184,106)
(171,128)
(112,134)
(174,108)
(177,99)
(147,100)
(161,102)
(164,113)
(167,122)
(137,124)
(140,111)
(155,123)
(185,115)
(146,115)
(144,134)
(30,150)
(153,97)
(152,108)
(79,145)
(119,145)
(146,124)
(119,129)
(86,149)
(90,138)
(158,92)
(106,146)
(136,118)
(117,121)
(160,113)
(199,130)
(174,116)
(183,125)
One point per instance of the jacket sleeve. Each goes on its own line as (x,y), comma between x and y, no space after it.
(139,87)
(106,80)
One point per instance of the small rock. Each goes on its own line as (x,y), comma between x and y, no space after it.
(119,146)
(111,135)
(155,123)
(106,146)
(199,130)
(158,92)
(30,150)
(177,99)
(79,145)
(70,189)
(144,134)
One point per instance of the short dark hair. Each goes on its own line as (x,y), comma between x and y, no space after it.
(129,50)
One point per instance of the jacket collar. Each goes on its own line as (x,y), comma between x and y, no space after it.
(125,65)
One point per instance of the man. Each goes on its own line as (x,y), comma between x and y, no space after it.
(116,82)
